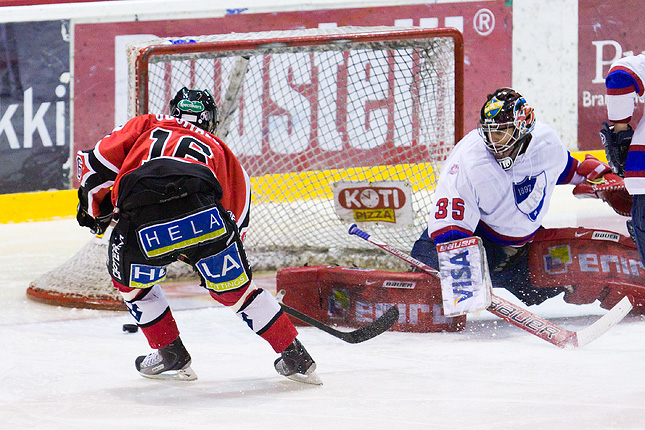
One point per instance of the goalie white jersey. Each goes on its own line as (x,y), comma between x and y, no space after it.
(474,194)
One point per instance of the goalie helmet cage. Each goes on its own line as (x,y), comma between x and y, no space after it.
(304,110)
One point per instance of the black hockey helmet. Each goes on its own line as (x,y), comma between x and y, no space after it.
(505,124)
(197,107)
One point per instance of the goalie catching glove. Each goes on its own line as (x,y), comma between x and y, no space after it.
(601,184)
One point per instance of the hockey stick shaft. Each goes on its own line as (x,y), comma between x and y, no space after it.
(380,325)
(231,97)
(517,315)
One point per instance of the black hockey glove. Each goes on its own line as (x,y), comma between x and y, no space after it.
(616,146)
(99,224)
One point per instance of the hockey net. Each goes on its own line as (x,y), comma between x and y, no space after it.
(305,110)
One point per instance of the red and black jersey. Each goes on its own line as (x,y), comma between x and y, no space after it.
(148,137)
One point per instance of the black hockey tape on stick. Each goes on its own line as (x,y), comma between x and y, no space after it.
(380,325)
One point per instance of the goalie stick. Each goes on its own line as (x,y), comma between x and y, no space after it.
(380,325)
(519,316)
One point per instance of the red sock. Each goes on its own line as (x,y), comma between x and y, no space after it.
(280,334)
(161,332)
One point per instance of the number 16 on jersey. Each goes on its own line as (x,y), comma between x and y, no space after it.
(465,280)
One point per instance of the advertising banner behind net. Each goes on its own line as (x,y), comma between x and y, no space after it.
(34,100)
(607,32)
(100,72)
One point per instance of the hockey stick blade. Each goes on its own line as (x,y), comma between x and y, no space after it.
(610,319)
(380,325)
(520,317)
(553,333)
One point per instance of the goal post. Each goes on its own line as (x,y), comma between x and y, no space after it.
(310,112)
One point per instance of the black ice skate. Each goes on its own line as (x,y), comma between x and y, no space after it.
(170,362)
(297,365)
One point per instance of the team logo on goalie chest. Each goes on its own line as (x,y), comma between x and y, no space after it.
(529,195)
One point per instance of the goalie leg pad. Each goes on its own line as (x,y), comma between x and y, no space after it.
(354,297)
(508,268)
(263,314)
(590,264)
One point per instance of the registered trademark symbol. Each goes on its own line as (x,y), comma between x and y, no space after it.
(484,22)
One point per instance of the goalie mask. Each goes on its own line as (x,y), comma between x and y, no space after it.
(505,125)
(197,107)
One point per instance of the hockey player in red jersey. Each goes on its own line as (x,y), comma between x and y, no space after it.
(177,192)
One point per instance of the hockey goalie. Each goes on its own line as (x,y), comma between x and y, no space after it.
(491,197)
(497,184)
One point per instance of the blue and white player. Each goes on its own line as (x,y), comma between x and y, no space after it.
(497,184)
(624,146)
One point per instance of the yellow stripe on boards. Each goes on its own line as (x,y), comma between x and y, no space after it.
(38,206)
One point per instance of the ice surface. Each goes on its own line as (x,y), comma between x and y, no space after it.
(74,369)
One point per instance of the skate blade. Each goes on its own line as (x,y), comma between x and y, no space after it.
(185,374)
(311,378)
